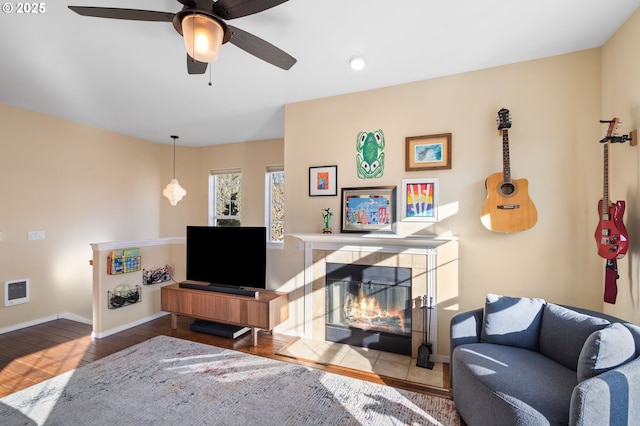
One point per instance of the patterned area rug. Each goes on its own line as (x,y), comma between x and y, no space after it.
(169,381)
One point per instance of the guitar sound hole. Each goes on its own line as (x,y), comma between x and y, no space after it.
(507,188)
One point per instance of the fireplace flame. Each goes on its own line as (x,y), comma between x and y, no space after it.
(364,312)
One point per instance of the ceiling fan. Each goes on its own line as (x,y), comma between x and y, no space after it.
(203,28)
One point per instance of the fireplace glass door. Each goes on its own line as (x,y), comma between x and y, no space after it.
(369,313)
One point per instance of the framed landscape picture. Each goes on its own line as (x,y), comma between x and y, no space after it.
(419,200)
(430,152)
(371,209)
(323,181)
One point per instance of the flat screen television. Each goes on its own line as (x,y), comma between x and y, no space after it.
(234,256)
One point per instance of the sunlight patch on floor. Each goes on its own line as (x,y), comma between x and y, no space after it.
(364,359)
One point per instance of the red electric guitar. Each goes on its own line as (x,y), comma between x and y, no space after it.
(611,234)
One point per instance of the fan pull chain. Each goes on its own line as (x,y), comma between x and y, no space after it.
(210,66)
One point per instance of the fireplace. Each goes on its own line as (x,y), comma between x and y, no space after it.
(369,306)
(432,261)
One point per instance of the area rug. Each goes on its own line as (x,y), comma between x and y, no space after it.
(169,381)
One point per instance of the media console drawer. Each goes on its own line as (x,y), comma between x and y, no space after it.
(265,312)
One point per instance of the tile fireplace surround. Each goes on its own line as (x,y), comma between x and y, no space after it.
(420,253)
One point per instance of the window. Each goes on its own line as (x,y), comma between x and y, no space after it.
(224,197)
(274,195)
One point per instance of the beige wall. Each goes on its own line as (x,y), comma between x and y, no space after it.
(621,98)
(252,158)
(84,185)
(78,184)
(555,106)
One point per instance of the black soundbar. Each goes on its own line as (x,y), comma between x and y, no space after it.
(220,289)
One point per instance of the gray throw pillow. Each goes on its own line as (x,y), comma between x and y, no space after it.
(604,350)
(635,332)
(512,321)
(563,333)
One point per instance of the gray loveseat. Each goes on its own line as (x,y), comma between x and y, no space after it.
(523,361)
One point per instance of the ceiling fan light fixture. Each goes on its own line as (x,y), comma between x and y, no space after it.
(203,37)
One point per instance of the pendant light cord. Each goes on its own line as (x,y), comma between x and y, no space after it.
(174,155)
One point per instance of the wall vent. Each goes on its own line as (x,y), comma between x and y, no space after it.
(16,292)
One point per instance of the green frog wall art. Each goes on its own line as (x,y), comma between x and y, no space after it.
(370,154)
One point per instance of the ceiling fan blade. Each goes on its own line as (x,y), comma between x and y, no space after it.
(128,14)
(261,49)
(230,9)
(195,67)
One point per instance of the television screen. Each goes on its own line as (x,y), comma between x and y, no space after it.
(231,256)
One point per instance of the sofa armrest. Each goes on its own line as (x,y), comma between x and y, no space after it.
(608,398)
(464,328)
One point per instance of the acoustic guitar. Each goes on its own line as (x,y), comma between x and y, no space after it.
(611,234)
(508,207)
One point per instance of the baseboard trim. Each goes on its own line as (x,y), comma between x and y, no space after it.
(443,359)
(74,317)
(127,326)
(31,323)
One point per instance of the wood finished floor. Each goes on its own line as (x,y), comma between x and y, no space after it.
(34,354)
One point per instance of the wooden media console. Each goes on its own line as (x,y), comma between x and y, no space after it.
(265,311)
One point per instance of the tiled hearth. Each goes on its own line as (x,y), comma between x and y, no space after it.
(368,360)
(417,253)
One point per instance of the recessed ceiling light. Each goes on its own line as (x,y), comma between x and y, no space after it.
(357,63)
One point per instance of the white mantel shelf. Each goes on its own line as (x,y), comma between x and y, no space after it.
(373,242)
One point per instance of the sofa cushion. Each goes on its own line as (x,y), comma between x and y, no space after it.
(563,333)
(604,350)
(512,321)
(500,385)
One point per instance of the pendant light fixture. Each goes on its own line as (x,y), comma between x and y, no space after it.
(173,191)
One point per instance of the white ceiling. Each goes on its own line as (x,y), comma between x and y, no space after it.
(130,77)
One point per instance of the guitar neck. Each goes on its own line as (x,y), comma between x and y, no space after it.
(506,167)
(613,124)
(605,183)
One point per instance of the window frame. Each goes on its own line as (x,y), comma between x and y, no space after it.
(213,216)
(268,219)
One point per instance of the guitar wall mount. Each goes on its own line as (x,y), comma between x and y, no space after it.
(632,137)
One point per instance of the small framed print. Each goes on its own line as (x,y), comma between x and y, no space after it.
(430,152)
(370,209)
(323,181)
(420,200)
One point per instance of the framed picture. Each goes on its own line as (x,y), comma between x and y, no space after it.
(420,200)
(430,152)
(370,209)
(323,181)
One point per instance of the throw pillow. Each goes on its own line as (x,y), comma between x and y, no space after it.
(512,321)
(604,350)
(563,333)
(635,332)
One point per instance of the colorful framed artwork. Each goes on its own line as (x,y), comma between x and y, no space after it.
(323,181)
(430,152)
(420,200)
(371,209)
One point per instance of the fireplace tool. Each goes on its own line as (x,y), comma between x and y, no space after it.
(426,349)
